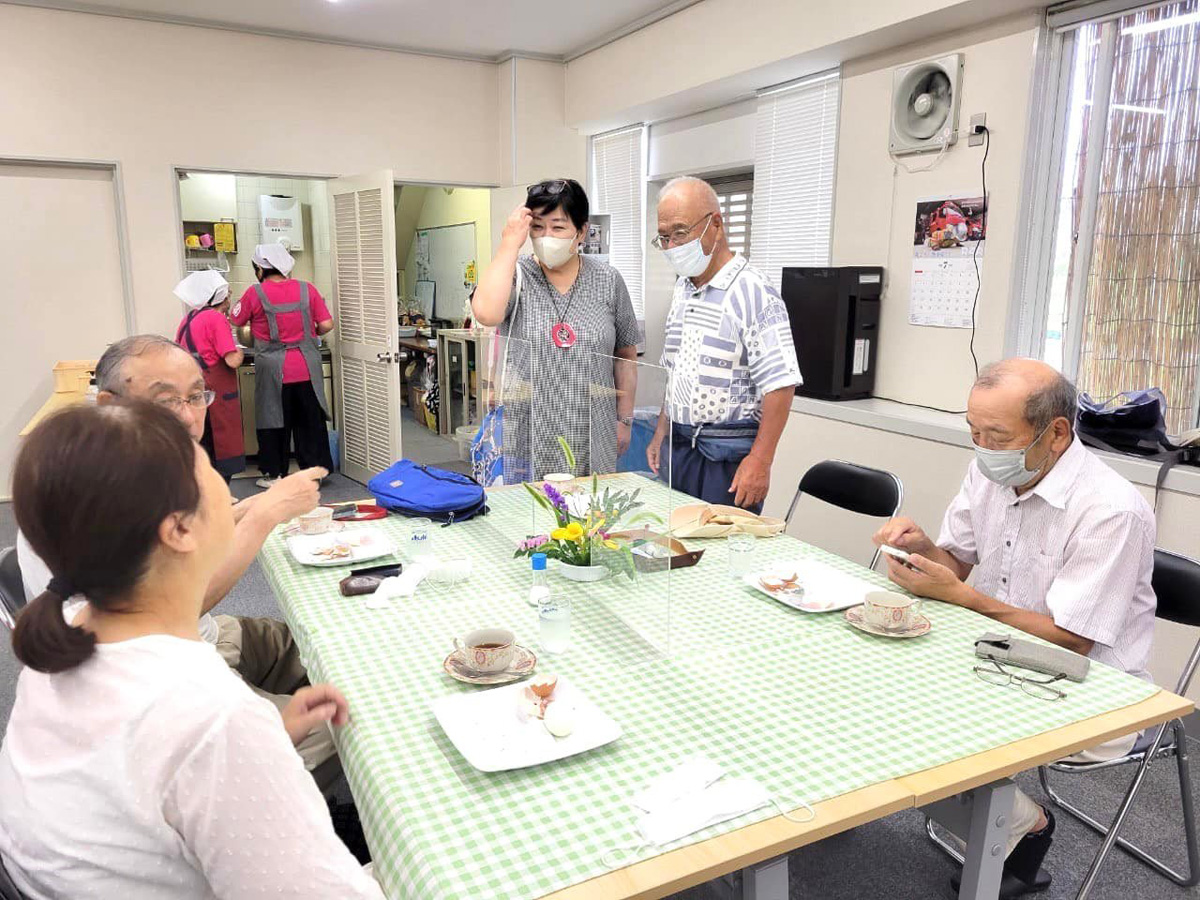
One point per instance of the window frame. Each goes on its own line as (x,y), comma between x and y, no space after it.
(1042,181)
(738,183)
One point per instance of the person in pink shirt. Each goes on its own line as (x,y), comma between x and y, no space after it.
(205,334)
(286,317)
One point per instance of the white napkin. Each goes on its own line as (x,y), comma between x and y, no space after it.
(399,586)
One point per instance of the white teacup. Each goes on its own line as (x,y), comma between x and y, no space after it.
(317,521)
(487,650)
(890,611)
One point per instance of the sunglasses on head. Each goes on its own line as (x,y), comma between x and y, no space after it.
(548,188)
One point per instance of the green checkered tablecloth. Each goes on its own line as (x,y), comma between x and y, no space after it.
(802,702)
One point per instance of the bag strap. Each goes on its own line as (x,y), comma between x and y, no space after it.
(1169,458)
(520,279)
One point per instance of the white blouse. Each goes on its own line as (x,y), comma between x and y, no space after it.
(152,771)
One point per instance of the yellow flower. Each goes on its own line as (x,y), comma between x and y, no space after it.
(574,531)
(559,534)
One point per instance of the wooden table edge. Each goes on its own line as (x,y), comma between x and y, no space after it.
(1001,762)
(697,863)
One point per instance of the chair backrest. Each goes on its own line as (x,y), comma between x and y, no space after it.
(12,588)
(1176,582)
(859,489)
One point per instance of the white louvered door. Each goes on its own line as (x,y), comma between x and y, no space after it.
(364,288)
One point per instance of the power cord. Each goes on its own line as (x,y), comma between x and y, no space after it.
(987,146)
(953,412)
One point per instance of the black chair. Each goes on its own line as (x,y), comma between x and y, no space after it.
(859,489)
(12,588)
(1176,582)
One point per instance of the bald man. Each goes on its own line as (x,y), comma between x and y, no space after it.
(1061,545)
(729,353)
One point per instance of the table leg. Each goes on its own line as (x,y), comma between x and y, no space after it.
(983,815)
(766,881)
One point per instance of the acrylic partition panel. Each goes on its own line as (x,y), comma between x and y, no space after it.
(596,480)
(502,453)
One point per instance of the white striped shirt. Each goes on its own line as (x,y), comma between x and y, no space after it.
(1078,547)
(726,345)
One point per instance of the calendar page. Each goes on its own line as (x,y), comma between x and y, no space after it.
(949,239)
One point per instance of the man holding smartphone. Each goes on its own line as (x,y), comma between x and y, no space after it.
(1061,546)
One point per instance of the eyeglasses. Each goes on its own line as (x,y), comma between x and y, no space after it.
(199,400)
(994,673)
(678,236)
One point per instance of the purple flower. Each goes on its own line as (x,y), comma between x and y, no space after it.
(533,543)
(557,500)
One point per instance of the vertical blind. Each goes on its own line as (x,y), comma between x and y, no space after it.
(1140,308)
(794,149)
(619,190)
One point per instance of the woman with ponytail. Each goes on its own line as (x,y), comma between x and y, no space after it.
(136,763)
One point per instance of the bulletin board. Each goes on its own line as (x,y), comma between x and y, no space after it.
(444,256)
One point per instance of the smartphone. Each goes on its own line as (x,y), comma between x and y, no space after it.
(894,552)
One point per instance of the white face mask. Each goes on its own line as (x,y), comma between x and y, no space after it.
(689,260)
(693,796)
(1007,467)
(553,251)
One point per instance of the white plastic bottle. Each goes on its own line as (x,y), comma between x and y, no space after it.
(540,586)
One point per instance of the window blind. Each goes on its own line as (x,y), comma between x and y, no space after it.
(794,153)
(619,190)
(1124,307)
(735,197)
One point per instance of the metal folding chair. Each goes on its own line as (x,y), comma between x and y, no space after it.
(849,486)
(12,588)
(1176,583)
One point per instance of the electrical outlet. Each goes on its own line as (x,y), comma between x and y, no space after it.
(975,134)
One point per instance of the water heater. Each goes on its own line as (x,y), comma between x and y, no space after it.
(282,221)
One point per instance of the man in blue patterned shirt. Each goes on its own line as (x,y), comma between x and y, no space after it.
(729,354)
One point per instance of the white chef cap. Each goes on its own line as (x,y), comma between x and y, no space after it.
(275,256)
(202,289)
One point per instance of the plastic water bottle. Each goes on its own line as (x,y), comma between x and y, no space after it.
(554,613)
(540,587)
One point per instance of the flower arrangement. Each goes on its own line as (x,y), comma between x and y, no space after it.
(578,533)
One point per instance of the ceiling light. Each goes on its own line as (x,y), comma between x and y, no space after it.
(1162,24)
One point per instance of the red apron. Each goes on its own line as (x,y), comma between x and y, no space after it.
(224,421)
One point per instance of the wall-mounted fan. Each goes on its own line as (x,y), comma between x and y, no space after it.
(925,100)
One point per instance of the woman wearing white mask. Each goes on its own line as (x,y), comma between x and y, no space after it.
(205,333)
(576,329)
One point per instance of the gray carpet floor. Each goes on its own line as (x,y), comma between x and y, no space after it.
(890,858)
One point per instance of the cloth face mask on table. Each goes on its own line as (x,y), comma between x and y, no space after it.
(1007,467)
(686,779)
(553,251)
(689,260)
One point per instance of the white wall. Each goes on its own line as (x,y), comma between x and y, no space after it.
(874,208)
(95,87)
(60,255)
(657,72)
(707,143)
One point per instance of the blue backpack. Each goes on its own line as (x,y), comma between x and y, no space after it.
(439,494)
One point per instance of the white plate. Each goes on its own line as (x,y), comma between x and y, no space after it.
(364,544)
(825,588)
(485,728)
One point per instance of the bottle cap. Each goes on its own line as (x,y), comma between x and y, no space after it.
(539,562)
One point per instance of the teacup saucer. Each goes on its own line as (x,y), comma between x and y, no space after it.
(922,625)
(522,665)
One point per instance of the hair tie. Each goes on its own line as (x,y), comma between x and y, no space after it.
(60,587)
